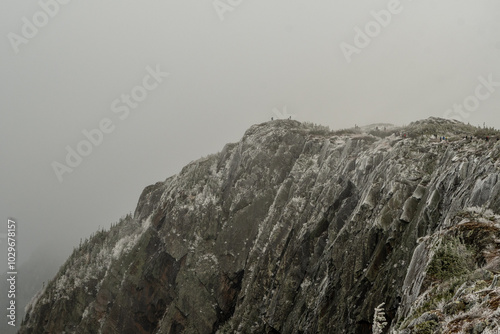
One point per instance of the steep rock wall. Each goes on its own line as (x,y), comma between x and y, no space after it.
(287,231)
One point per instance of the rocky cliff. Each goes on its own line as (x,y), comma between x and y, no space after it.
(297,229)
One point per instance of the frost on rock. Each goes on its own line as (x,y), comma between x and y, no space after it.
(379,322)
(297,228)
(125,244)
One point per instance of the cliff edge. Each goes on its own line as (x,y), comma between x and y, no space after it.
(298,229)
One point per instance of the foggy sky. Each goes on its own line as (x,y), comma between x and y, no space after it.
(224,76)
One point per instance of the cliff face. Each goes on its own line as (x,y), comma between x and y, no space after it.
(297,230)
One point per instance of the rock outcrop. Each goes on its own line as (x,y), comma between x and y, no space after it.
(297,229)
